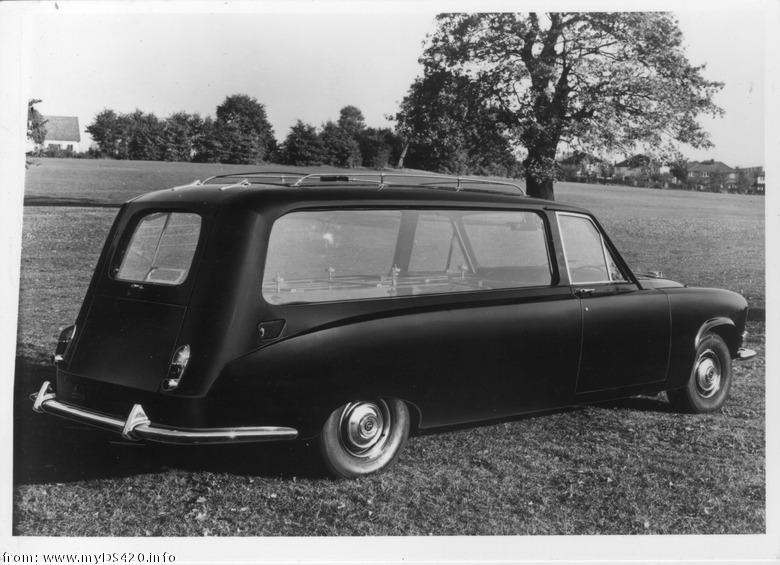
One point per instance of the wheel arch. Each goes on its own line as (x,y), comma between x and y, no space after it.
(415,415)
(724,327)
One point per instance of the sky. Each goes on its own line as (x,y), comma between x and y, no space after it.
(306,65)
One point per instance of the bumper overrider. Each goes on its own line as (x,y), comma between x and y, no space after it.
(138,426)
(743,354)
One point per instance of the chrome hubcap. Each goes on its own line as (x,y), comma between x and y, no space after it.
(708,374)
(363,428)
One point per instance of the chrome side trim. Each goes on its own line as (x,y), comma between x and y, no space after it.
(744,353)
(137,426)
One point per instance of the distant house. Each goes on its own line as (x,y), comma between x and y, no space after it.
(715,174)
(640,166)
(62,132)
(754,178)
(582,166)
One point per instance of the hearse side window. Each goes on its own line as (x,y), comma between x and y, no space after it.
(324,256)
(587,256)
(436,245)
(161,249)
(508,239)
(330,255)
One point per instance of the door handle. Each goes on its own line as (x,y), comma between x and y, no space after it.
(584,291)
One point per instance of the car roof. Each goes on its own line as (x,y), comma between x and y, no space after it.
(259,195)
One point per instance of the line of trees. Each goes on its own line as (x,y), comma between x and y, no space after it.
(347,142)
(242,134)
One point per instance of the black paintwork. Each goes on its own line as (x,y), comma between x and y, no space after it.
(455,358)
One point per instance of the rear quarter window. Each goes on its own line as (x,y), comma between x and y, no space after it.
(161,249)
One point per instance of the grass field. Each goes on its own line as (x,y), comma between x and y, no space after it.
(631,467)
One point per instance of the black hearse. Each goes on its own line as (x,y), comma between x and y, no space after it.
(355,308)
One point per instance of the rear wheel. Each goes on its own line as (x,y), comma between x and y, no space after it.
(710,380)
(364,436)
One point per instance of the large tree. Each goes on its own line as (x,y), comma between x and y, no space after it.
(144,135)
(351,120)
(379,147)
(339,145)
(451,126)
(600,82)
(107,131)
(245,133)
(181,132)
(303,146)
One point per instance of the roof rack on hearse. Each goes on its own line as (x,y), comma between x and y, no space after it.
(379,179)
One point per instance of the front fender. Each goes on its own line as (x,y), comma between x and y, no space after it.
(696,312)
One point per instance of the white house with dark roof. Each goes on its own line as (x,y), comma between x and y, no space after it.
(638,166)
(713,173)
(62,132)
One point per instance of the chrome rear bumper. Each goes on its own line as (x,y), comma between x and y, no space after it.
(137,426)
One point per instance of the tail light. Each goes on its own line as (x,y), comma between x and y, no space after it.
(63,343)
(177,368)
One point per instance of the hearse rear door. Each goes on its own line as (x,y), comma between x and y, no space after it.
(129,330)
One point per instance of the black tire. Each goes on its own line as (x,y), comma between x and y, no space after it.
(710,380)
(364,437)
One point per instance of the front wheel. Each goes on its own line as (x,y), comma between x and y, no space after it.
(364,436)
(710,380)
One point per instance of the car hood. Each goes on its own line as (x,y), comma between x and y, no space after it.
(648,281)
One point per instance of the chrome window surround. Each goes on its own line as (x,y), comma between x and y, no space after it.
(604,250)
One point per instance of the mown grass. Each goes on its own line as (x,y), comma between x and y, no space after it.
(632,467)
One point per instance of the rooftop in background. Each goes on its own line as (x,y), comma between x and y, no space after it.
(710,166)
(62,128)
(635,162)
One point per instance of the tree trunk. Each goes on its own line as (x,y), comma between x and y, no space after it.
(537,188)
(540,172)
(403,156)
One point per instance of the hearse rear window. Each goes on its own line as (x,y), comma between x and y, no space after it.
(161,249)
(323,256)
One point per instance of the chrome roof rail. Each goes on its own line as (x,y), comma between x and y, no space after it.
(243,183)
(381,179)
(280,176)
(193,184)
(330,177)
